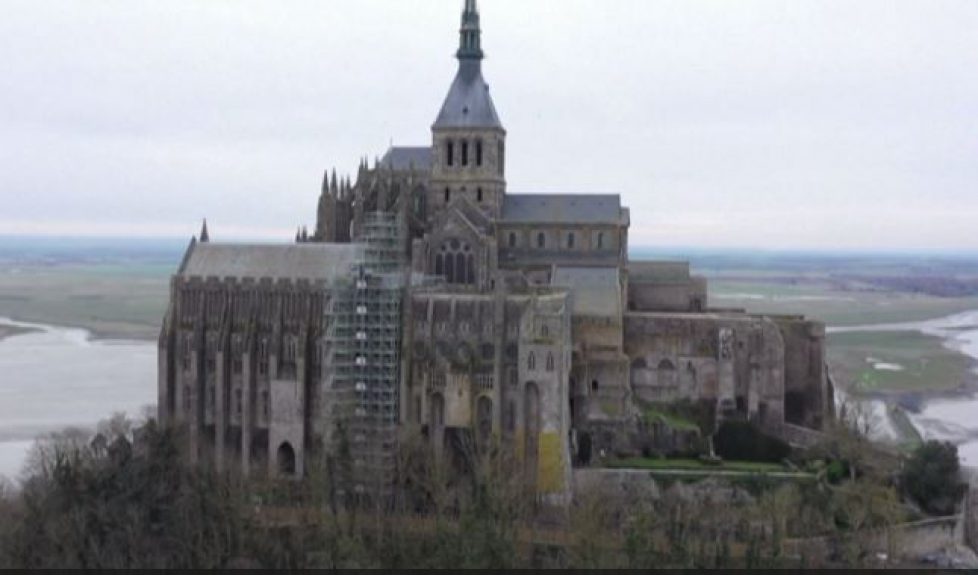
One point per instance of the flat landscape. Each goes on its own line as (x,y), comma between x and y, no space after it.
(118,289)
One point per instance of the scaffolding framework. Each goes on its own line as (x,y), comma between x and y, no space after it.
(363,362)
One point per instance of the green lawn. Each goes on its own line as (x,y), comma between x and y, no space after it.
(927,364)
(694,465)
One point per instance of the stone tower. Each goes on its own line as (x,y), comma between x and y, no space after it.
(468,140)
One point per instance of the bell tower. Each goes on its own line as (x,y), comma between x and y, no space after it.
(468,140)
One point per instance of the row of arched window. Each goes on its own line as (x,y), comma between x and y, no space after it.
(531,361)
(479,196)
(456,262)
(462,153)
(570,240)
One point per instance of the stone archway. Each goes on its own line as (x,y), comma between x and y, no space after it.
(285,459)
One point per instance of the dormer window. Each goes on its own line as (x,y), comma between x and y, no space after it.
(600,240)
(478,153)
(512,239)
(570,241)
(450,153)
(465,152)
(541,240)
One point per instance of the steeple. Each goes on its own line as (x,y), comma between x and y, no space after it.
(470,35)
(204,236)
(468,104)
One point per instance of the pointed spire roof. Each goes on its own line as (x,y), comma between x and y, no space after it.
(204,236)
(468,104)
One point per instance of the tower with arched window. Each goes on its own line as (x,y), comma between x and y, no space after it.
(468,139)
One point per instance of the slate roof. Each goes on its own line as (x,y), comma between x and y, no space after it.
(288,261)
(468,104)
(400,158)
(595,292)
(659,271)
(562,208)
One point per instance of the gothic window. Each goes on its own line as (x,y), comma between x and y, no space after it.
(531,361)
(478,153)
(450,268)
(265,405)
(541,240)
(450,153)
(262,357)
(465,152)
(185,352)
(460,275)
(456,263)
(594,385)
(570,241)
(478,195)
(448,195)
(512,239)
(550,361)
(502,158)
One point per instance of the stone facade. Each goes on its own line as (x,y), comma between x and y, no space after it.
(522,318)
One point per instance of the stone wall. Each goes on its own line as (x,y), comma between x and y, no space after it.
(971,516)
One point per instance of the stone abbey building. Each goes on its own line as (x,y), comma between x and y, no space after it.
(430,300)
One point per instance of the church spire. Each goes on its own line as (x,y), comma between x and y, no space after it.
(204,236)
(470,35)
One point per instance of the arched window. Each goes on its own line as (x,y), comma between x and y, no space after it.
(465,152)
(448,195)
(501,149)
(570,241)
(478,195)
(512,239)
(450,153)
(600,240)
(286,459)
(531,361)
(478,153)
(550,361)
(541,240)
(450,268)
(460,274)
(456,262)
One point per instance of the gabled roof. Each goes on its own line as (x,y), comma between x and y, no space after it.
(401,158)
(562,208)
(468,104)
(595,292)
(286,261)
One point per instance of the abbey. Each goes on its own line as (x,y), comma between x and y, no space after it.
(431,301)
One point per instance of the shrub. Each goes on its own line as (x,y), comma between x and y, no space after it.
(931,477)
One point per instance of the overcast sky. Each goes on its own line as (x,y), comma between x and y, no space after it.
(781,124)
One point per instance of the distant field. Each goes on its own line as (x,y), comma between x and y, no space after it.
(896,362)
(112,301)
(825,301)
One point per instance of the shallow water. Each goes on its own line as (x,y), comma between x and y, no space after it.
(58,377)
